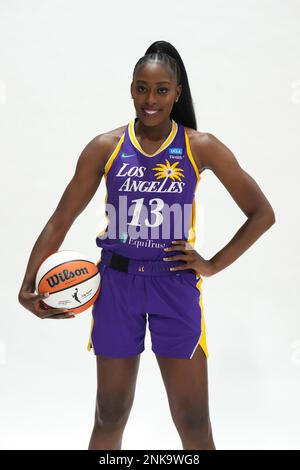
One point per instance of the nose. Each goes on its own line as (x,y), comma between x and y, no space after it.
(151,100)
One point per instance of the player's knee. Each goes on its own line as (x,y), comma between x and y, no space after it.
(111,411)
(193,421)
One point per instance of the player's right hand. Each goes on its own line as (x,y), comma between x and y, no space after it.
(34,303)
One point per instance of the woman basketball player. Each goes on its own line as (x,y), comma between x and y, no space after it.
(151,165)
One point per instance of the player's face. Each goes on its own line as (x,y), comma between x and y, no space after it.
(154,89)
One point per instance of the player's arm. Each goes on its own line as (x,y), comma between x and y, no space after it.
(215,156)
(78,193)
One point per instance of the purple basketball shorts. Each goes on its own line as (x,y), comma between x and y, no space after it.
(172,303)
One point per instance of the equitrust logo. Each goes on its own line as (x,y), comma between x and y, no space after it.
(65,275)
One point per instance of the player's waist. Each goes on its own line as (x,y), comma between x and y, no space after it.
(142,267)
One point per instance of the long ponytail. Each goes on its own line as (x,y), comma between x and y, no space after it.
(165,53)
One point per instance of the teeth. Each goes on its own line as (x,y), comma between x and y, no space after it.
(150,112)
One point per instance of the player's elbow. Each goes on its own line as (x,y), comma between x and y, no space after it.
(271,217)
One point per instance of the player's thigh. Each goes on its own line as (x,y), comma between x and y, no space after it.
(186,383)
(116,382)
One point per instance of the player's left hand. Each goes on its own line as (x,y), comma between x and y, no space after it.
(191,257)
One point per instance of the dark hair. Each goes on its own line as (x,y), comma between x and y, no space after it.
(163,52)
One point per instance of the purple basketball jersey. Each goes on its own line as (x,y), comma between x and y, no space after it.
(150,199)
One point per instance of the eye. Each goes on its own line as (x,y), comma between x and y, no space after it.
(139,87)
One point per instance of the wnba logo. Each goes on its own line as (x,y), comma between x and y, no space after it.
(65,275)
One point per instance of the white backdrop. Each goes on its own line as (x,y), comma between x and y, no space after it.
(65,73)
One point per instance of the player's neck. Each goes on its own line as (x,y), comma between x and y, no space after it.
(153,133)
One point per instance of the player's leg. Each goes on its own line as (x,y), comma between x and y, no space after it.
(116,381)
(186,384)
(118,339)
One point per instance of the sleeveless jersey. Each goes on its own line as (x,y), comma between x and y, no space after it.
(150,199)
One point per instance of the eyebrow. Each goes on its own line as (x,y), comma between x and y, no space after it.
(164,81)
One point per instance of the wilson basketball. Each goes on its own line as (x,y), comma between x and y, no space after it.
(71,278)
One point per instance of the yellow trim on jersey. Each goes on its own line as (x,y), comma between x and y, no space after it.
(90,343)
(192,231)
(105,201)
(190,155)
(202,339)
(113,155)
(106,170)
(165,144)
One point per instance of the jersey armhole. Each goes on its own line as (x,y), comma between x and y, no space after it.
(190,155)
(113,155)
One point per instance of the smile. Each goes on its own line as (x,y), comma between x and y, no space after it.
(148,112)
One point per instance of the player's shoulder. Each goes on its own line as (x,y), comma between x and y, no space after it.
(199,143)
(208,150)
(199,137)
(110,139)
(103,145)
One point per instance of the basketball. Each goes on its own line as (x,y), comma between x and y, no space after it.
(71,278)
